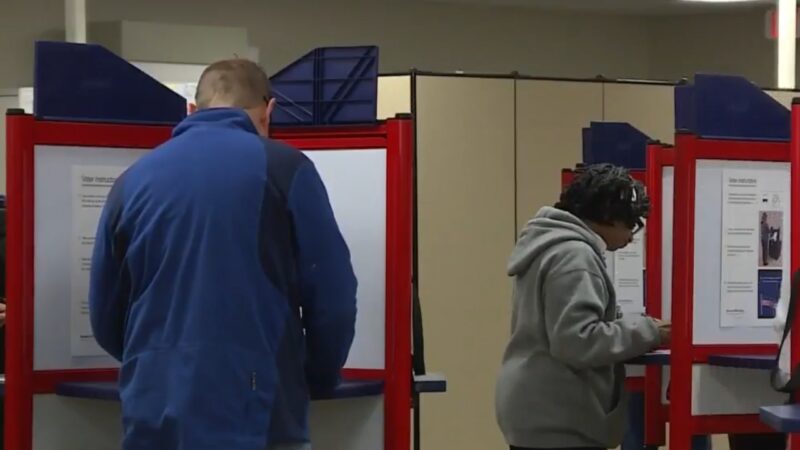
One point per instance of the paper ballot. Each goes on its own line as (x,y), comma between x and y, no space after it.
(629,276)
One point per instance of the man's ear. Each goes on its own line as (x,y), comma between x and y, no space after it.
(192,108)
(268,115)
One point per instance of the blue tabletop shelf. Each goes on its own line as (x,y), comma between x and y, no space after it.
(430,383)
(760,362)
(657,358)
(348,389)
(783,418)
(95,391)
(110,391)
(662,358)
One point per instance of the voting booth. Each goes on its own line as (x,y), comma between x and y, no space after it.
(731,241)
(94,116)
(786,418)
(717,256)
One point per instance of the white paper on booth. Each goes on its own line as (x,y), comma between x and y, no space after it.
(753,259)
(26,99)
(629,276)
(609,260)
(90,187)
(185,90)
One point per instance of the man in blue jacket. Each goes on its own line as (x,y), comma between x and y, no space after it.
(221,281)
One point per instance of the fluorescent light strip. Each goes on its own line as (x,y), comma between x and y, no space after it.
(787,42)
(719,1)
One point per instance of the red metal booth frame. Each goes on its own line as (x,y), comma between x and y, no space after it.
(794,157)
(659,156)
(690,149)
(24,132)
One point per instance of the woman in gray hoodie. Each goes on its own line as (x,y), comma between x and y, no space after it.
(561,381)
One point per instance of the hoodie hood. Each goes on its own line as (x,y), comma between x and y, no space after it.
(550,227)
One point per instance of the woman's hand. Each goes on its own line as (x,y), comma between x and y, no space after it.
(664,331)
(3,313)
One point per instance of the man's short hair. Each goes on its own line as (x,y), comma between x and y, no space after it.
(236,83)
(605,194)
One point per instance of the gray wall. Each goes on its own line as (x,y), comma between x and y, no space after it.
(21,23)
(441,37)
(729,43)
(412,34)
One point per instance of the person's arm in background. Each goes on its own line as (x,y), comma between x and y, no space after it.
(779,324)
(327,282)
(575,307)
(108,284)
(2,267)
(782,308)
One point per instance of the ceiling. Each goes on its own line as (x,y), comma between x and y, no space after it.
(620,6)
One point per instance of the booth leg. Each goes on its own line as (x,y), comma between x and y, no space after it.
(417,432)
(794,441)
(634,436)
(771,441)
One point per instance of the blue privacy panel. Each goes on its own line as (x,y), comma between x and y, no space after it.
(586,133)
(328,86)
(730,107)
(617,143)
(85,82)
(684,108)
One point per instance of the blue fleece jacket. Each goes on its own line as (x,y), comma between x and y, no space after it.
(222,283)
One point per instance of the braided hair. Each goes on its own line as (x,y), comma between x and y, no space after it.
(605,194)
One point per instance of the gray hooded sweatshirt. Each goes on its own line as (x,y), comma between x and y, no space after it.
(561,381)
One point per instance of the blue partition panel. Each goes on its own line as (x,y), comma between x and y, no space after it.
(730,107)
(88,83)
(587,144)
(617,143)
(328,86)
(684,108)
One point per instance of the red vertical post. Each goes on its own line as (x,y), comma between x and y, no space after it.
(567,176)
(397,431)
(794,158)
(653,238)
(19,282)
(680,409)
(654,432)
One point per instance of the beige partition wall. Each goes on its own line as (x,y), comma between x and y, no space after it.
(465,169)
(648,107)
(394,95)
(550,117)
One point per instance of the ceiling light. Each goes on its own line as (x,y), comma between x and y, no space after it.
(719,1)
